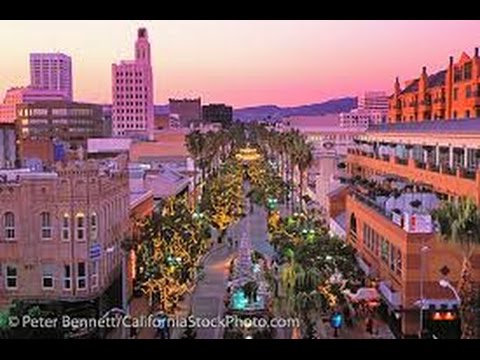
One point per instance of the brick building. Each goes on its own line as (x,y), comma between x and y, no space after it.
(60,232)
(452,93)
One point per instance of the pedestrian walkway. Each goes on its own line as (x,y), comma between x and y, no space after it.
(358,331)
(208,298)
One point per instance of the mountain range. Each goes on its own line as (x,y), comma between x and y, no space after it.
(274,112)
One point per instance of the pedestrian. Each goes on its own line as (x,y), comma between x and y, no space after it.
(369,325)
(347,315)
(236,243)
(230,242)
(133,332)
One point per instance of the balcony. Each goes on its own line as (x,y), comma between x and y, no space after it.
(458,182)
(390,295)
(408,206)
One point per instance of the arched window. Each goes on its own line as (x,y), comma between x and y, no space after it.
(66,227)
(9,225)
(93,226)
(80,227)
(46,225)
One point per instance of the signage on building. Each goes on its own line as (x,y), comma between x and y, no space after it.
(95,251)
(418,223)
(397,218)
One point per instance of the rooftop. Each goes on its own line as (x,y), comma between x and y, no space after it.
(451,126)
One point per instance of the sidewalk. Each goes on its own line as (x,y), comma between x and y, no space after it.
(358,331)
(139,306)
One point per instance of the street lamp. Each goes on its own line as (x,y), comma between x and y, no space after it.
(446,284)
(110,250)
(423,251)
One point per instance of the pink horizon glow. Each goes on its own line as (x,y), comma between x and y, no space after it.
(242,63)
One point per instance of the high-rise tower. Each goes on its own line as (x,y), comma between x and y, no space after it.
(132,91)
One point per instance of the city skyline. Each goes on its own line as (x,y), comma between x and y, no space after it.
(243,63)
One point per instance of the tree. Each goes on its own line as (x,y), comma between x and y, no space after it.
(305,161)
(459,223)
(195,143)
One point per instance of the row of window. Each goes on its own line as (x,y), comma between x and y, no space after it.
(130,126)
(132,103)
(48,276)
(381,247)
(131,96)
(129,110)
(469,92)
(131,88)
(129,81)
(129,118)
(46,228)
(128,73)
(55,112)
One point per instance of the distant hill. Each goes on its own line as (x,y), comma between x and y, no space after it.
(273,112)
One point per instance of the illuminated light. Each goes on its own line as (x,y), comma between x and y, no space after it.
(449,316)
(239,300)
(437,316)
(248,337)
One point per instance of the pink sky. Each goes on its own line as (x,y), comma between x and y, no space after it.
(242,62)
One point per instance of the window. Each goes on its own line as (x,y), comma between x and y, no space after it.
(353,228)
(67,277)
(93,226)
(9,225)
(384,250)
(399,262)
(393,254)
(46,225)
(467,71)
(468,91)
(11,277)
(66,227)
(80,227)
(47,277)
(81,276)
(94,273)
(455,93)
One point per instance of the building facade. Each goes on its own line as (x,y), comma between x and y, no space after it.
(219,113)
(376,101)
(52,71)
(189,111)
(358,118)
(330,147)
(132,91)
(60,231)
(372,110)
(8,146)
(72,123)
(22,95)
(398,174)
(452,93)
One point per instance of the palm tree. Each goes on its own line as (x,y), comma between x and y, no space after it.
(459,223)
(305,160)
(195,142)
